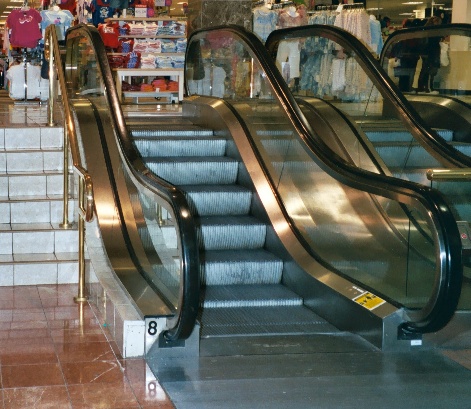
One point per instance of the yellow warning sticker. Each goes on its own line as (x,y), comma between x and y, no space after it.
(369,300)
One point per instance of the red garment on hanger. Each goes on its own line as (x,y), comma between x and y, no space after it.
(24,25)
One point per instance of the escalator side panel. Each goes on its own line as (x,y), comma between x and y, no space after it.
(108,215)
(329,295)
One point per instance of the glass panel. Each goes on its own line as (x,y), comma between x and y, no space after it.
(150,224)
(377,242)
(437,64)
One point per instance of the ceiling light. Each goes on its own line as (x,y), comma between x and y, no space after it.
(374,9)
(414,2)
(406,14)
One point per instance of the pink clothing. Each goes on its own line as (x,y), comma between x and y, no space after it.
(286,20)
(24,26)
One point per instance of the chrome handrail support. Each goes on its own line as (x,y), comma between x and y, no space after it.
(86,201)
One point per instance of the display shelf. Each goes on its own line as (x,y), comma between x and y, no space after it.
(122,73)
(176,74)
(145,94)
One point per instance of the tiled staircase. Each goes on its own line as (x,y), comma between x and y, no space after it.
(33,247)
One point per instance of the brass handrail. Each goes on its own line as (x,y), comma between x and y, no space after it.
(449,174)
(86,202)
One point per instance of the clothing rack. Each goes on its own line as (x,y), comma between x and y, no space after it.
(322,7)
(281,5)
(258,3)
(352,6)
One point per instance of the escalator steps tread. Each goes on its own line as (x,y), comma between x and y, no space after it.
(232,267)
(222,200)
(180,147)
(218,296)
(262,321)
(150,131)
(218,256)
(231,232)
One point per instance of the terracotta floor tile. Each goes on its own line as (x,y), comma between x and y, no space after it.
(28,354)
(115,349)
(20,341)
(28,324)
(18,334)
(23,376)
(70,312)
(74,323)
(19,292)
(85,351)
(20,303)
(94,334)
(26,315)
(41,397)
(92,372)
(57,290)
(98,396)
(62,301)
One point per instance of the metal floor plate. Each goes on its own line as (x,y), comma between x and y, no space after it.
(262,321)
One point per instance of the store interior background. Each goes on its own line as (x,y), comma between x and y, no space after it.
(396,10)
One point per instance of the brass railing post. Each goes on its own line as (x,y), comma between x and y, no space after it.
(81,251)
(65,216)
(86,204)
(50,106)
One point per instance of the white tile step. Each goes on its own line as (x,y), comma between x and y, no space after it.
(16,184)
(31,160)
(33,269)
(35,209)
(32,137)
(37,238)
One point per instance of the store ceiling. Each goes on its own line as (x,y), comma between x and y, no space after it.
(394,9)
(398,10)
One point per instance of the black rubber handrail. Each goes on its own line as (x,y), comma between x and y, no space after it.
(183,323)
(447,282)
(443,30)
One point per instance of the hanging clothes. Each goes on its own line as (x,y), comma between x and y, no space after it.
(37,87)
(376,37)
(24,25)
(289,51)
(109,33)
(101,10)
(62,19)
(68,5)
(264,22)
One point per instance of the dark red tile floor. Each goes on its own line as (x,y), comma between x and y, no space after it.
(49,359)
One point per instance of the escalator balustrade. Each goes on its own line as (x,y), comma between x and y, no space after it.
(271,228)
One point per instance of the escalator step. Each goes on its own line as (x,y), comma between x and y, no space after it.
(388,135)
(151,131)
(231,232)
(180,147)
(249,296)
(229,267)
(195,170)
(212,200)
(394,156)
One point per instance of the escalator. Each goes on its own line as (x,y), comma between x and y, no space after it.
(420,138)
(237,220)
